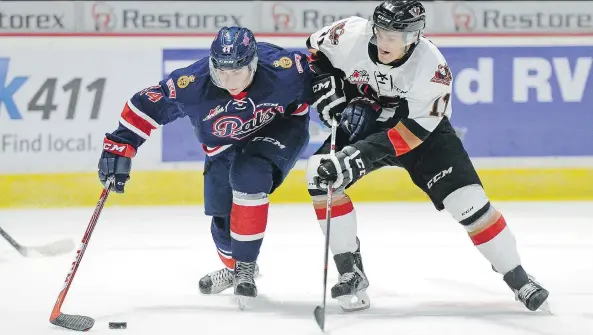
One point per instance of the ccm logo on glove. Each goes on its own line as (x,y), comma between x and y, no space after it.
(119,149)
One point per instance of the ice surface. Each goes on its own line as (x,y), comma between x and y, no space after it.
(143,265)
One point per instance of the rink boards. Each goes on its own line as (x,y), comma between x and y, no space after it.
(524,108)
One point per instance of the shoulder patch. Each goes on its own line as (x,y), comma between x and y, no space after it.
(172,90)
(442,75)
(335,32)
(184,81)
(283,62)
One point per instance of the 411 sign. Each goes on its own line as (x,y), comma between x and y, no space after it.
(44,99)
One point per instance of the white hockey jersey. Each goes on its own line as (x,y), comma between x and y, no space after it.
(422,84)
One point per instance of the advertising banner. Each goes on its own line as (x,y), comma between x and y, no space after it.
(284,17)
(166,17)
(58,99)
(41,16)
(310,16)
(515,17)
(507,102)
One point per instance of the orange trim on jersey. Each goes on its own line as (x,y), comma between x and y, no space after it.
(490,231)
(402,139)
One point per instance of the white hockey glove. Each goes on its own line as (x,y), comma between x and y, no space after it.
(340,171)
(328,97)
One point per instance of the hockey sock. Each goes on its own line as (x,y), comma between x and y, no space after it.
(220,234)
(343,223)
(249,217)
(494,239)
(227,259)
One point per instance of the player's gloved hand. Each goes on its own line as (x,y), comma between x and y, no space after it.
(359,118)
(328,97)
(346,167)
(116,161)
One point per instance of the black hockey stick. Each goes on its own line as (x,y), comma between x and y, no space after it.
(52,249)
(319,311)
(78,322)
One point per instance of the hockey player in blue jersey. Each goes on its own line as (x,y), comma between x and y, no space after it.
(247,102)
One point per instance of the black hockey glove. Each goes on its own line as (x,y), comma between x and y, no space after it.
(328,97)
(359,118)
(116,161)
(347,167)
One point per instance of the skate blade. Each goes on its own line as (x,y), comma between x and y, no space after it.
(353,303)
(244,301)
(545,307)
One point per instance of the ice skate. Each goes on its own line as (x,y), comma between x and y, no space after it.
(528,291)
(244,283)
(218,281)
(351,287)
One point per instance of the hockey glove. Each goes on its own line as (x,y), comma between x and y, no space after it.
(116,161)
(345,168)
(328,97)
(359,118)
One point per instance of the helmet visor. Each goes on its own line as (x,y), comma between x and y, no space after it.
(233,79)
(388,39)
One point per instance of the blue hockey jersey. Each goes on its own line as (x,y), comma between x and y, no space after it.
(281,87)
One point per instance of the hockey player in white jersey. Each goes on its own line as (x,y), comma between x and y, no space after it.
(390,88)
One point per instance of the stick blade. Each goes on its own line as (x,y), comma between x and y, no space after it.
(319,313)
(52,249)
(73,322)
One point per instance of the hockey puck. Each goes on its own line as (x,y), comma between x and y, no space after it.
(118,325)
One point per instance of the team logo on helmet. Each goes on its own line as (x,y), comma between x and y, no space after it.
(246,40)
(184,81)
(415,11)
(283,62)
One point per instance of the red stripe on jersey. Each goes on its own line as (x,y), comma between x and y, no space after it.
(137,121)
(337,210)
(301,109)
(208,150)
(119,149)
(490,232)
(228,262)
(249,220)
(398,142)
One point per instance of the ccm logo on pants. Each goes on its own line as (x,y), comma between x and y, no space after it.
(438,177)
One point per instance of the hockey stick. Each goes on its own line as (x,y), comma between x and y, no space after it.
(78,322)
(319,311)
(52,249)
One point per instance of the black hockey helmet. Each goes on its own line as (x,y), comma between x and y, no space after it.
(400,15)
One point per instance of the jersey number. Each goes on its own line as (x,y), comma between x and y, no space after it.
(439,107)
(152,96)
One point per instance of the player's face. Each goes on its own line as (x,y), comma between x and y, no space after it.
(391,45)
(235,80)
